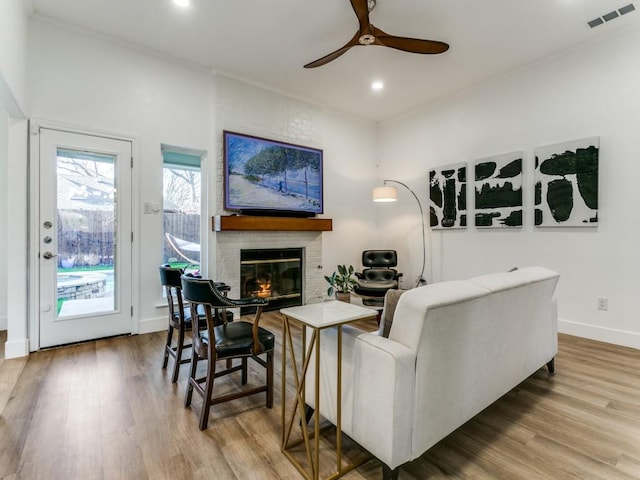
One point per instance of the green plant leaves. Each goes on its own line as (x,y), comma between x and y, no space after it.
(341,281)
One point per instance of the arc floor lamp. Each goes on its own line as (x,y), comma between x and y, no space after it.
(387,193)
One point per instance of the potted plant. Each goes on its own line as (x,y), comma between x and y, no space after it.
(341,282)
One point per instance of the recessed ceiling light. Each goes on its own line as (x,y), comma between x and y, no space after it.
(182,3)
(377,86)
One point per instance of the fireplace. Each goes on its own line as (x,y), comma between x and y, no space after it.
(272,273)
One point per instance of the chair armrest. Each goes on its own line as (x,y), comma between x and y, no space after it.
(383,407)
(223,287)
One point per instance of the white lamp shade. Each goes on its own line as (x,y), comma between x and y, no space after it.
(385,194)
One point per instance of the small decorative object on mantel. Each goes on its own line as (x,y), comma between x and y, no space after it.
(342,283)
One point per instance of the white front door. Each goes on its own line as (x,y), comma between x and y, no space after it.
(84,237)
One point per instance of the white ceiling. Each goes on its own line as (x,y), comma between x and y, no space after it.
(268,42)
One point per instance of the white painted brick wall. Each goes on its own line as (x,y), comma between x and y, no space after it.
(246,109)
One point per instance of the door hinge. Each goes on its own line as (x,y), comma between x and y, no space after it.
(132,310)
(131,237)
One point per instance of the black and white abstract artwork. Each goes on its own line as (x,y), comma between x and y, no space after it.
(566,184)
(498,191)
(448,196)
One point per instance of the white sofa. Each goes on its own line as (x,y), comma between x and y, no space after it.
(453,349)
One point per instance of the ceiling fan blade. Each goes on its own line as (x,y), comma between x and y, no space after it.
(361,7)
(412,45)
(333,55)
(327,58)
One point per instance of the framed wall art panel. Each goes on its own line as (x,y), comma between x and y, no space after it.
(566,184)
(448,196)
(498,191)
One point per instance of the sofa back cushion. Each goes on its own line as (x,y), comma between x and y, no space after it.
(414,306)
(515,278)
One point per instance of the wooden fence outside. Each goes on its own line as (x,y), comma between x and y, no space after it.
(86,237)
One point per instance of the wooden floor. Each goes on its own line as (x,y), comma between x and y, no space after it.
(105,409)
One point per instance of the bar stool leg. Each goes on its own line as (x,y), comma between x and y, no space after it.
(167,346)
(208,389)
(270,379)
(192,378)
(176,365)
(244,370)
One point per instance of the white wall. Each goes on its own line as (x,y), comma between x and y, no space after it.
(17,344)
(589,92)
(13,165)
(350,150)
(4,151)
(95,85)
(13,46)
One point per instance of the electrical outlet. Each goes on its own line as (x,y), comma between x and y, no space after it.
(603,303)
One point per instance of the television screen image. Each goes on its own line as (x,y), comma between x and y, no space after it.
(270,176)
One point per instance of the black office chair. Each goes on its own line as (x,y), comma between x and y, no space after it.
(179,318)
(377,277)
(227,341)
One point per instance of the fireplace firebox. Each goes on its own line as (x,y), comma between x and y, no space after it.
(274,274)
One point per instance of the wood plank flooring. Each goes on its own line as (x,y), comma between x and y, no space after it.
(106,410)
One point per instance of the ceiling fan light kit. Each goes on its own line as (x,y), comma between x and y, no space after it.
(368,34)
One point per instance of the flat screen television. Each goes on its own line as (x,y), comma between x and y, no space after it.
(267,177)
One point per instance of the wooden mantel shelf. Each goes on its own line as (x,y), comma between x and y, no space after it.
(225,223)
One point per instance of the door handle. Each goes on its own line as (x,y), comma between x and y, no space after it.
(49,255)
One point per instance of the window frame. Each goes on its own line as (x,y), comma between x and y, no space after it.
(187,158)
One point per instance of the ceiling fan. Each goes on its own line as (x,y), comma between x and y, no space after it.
(368,34)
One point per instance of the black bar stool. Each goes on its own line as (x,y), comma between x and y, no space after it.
(227,341)
(179,318)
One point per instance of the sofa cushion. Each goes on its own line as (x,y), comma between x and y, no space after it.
(390,302)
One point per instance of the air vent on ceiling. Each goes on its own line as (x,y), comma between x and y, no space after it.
(611,15)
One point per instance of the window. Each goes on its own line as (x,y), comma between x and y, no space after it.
(181,193)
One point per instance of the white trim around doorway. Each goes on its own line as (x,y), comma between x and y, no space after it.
(33,202)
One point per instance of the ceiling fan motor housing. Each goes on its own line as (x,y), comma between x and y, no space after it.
(367,39)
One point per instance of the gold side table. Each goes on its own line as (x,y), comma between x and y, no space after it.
(317,316)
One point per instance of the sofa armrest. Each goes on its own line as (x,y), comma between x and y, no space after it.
(383,406)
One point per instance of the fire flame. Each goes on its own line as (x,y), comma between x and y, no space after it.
(265,288)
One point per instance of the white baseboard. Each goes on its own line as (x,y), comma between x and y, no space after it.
(602,334)
(16,348)
(3,323)
(150,325)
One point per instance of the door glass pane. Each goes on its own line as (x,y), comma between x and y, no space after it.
(86,211)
